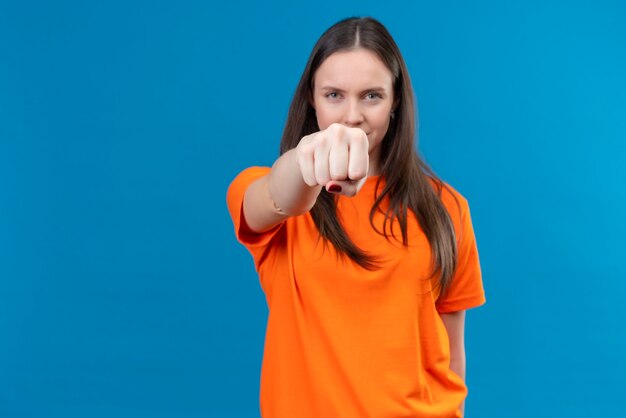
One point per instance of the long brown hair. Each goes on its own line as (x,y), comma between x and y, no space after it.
(408,178)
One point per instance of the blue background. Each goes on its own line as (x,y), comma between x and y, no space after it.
(123,292)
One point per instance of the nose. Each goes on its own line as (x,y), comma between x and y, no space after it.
(353,116)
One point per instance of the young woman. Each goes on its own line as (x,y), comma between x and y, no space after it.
(368,261)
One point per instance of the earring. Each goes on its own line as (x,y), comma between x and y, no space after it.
(393,115)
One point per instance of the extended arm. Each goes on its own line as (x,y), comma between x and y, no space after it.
(278,195)
(336,156)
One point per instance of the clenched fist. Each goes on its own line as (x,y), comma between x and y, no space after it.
(337,158)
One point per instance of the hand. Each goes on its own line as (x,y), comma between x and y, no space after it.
(336,158)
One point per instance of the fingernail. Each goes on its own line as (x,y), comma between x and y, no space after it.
(334,188)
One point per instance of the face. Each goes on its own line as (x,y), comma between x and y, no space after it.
(355,88)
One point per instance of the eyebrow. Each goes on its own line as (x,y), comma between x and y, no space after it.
(376,89)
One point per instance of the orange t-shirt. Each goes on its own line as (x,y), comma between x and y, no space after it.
(345,342)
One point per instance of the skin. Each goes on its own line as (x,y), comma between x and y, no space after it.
(355,89)
(454,323)
(353,100)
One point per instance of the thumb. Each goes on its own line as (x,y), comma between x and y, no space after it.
(347,188)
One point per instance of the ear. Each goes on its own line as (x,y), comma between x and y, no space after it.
(311,101)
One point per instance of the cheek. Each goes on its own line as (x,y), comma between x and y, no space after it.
(380,122)
(325,118)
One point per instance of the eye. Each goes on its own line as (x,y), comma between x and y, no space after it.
(373,96)
(332,95)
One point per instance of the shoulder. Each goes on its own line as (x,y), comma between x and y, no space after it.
(243,179)
(251,173)
(238,186)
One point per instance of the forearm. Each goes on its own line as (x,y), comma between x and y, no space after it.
(457,365)
(287,190)
(455,327)
(278,195)
(337,155)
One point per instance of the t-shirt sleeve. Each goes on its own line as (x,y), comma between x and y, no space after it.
(257,243)
(466,290)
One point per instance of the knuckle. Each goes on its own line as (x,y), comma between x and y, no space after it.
(303,141)
(318,140)
(335,126)
(357,174)
(360,137)
(337,175)
(336,130)
(320,181)
(302,151)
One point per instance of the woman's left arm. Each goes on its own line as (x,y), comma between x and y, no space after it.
(455,326)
